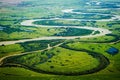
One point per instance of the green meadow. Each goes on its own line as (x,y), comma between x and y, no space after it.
(51,50)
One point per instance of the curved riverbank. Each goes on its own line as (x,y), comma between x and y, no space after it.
(114,17)
(101,30)
(30,23)
(103,63)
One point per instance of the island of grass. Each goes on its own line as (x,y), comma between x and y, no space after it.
(74,32)
(59,22)
(68,31)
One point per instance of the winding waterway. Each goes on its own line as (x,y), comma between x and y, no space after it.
(102,31)
(114,17)
(30,23)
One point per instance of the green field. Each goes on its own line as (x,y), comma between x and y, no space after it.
(51,50)
(55,61)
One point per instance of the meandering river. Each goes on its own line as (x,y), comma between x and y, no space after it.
(30,23)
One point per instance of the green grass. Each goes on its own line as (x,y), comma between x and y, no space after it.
(27,47)
(100,48)
(39,45)
(68,62)
(101,39)
(23,74)
(10,49)
(56,62)
(34,33)
(12,15)
(96,47)
(85,16)
(74,32)
(19,72)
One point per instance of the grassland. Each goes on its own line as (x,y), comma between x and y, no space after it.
(27,33)
(56,62)
(27,47)
(44,60)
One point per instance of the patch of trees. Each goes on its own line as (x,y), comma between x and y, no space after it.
(57,23)
(29,60)
(9,29)
(39,45)
(92,16)
(106,40)
(74,32)
(116,37)
(65,23)
(113,23)
(96,32)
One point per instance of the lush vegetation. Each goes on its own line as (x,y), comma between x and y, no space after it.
(74,32)
(27,46)
(42,59)
(56,62)
(86,16)
(100,48)
(103,39)
(70,62)
(21,32)
(58,22)
(10,49)
(39,45)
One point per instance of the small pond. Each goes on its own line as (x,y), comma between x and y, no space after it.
(112,51)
